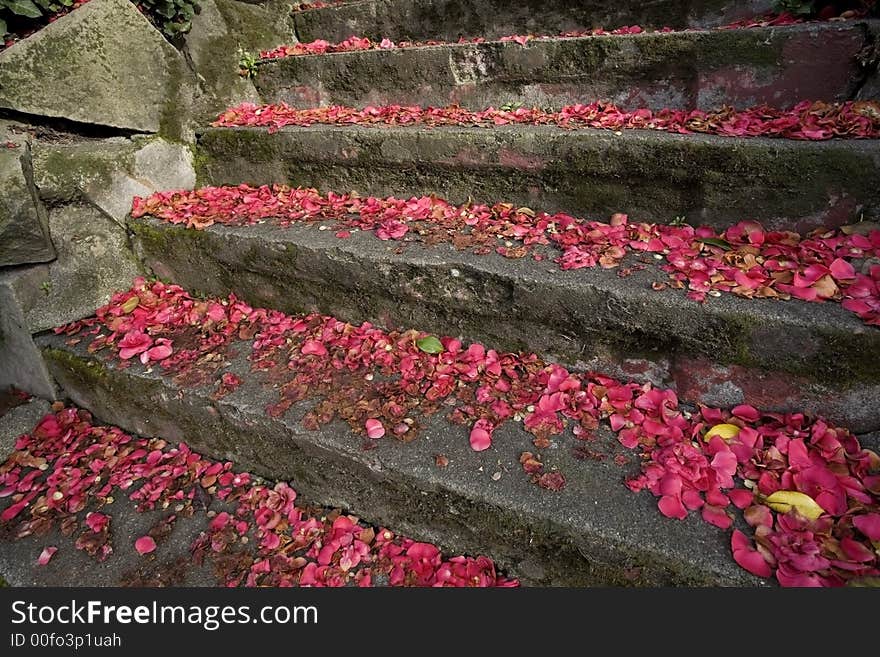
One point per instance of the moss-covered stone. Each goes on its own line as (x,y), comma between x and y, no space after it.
(104,64)
(451,19)
(24,228)
(222,29)
(683,70)
(93,262)
(110,172)
(650,175)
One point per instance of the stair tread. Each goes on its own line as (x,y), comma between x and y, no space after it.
(651,175)
(687,69)
(454,18)
(594,512)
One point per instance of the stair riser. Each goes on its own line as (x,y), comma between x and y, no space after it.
(399,487)
(650,175)
(704,70)
(725,352)
(451,19)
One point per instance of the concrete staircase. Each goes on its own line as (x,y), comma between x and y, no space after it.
(778,356)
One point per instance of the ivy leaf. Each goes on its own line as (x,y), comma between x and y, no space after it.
(430,345)
(715,241)
(24,8)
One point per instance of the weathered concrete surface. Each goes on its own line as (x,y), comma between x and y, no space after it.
(219,31)
(103,64)
(791,356)
(24,231)
(110,172)
(650,175)
(93,262)
(17,421)
(593,532)
(451,19)
(691,70)
(171,565)
(21,364)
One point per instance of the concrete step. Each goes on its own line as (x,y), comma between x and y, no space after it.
(184,515)
(780,66)
(593,531)
(775,355)
(451,19)
(650,175)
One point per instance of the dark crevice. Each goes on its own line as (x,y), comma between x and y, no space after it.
(52,128)
(869,61)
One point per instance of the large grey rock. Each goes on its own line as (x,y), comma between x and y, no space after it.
(102,64)
(93,262)
(219,31)
(21,364)
(110,172)
(24,233)
(19,420)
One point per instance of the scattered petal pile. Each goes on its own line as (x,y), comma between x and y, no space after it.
(383,385)
(745,259)
(66,471)
(808,121)
(356,43)
(318,4)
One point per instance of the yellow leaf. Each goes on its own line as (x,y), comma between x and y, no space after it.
(784,501)
(726,432)
(131,304)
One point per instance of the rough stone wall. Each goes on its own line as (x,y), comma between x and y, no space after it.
(96,108)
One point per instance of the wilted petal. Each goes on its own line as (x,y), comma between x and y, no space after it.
(46,554)
(869,525)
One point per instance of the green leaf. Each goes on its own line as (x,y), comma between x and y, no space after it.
(715,241)
(430,345)
(24,8)
(2,27)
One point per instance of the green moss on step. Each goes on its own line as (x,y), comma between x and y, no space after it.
(84,370)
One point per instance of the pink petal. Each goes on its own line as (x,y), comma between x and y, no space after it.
(159,353)
(856,551)
(480,439)
(748,557)
(869,525)
(746,412)
(842,270)
(375,429)
(671,507)
(741,497)
(46,554)
(145,545)
(313,347)
(716,516)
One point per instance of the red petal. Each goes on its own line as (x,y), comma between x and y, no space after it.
(480,439)
(748,557)
(145,545)
(842,270)
(374,428)
(671,507)
(869,525)
(46,554)
(716,516)
(741,497)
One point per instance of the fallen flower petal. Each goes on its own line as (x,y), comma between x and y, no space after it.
(46,555)
(145,545)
